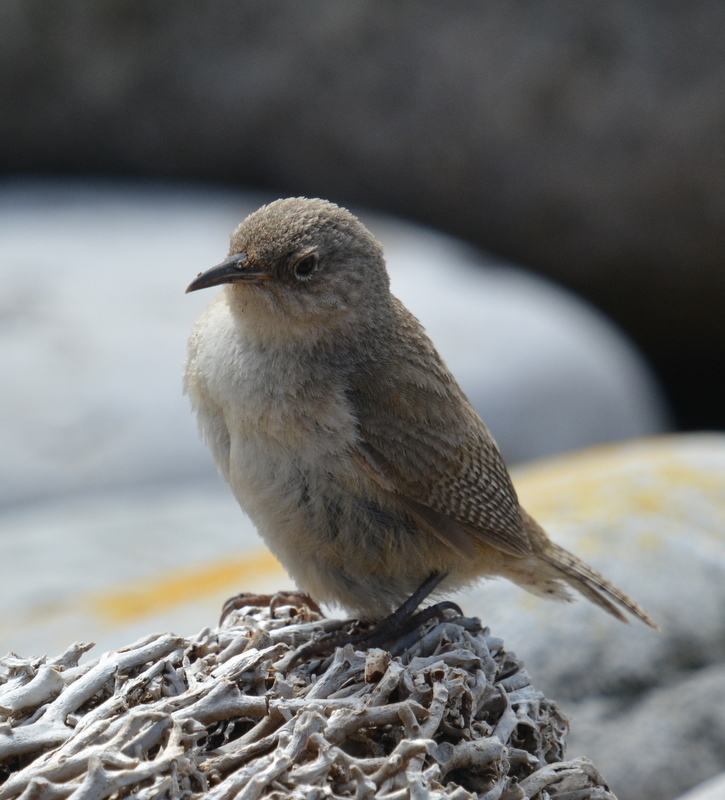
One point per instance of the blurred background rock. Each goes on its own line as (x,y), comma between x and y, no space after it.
(583,140)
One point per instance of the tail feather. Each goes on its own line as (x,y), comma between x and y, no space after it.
(581,576)
(592,585)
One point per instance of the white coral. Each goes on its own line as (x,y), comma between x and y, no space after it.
(231,714)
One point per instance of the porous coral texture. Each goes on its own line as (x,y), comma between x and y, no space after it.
(231,713)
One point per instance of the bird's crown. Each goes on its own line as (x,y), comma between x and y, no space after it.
(295,224)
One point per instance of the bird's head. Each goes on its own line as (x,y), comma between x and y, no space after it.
(311,260)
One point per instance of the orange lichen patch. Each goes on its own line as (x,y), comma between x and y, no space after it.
(647,502)
(646,479)
(650,541)
(175,588)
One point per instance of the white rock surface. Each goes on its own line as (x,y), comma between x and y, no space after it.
(657,744)
(648,708)
(94,320)
(111,566)
(714,789)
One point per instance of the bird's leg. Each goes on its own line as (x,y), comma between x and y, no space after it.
(274,601)
(399,621)
(376,636)
(402,620)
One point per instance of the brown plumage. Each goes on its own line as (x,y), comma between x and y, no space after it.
(343,434)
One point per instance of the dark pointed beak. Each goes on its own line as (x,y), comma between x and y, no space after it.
(235,269)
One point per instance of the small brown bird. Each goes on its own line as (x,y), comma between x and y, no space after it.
(344,436)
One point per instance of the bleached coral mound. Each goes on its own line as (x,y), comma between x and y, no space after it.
(229,713)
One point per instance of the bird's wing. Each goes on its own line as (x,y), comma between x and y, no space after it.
(421,440)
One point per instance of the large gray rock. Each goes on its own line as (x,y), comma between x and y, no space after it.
(95,321)
(582,139)
(111,566)
(647,707)
(654,747)
(712,789)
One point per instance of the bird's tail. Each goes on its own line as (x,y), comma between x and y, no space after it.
(588,581)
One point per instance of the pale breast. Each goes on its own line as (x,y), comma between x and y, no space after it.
(266,411)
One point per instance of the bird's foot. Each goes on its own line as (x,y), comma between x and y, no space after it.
(391,629)
(402,621)
(301,601)
(387,632)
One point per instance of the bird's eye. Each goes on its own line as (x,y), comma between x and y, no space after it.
(306,266)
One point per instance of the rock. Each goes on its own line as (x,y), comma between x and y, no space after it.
(646,707)
(714,789)
(657,744)
(94,321)
(109,566)
(586,144)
